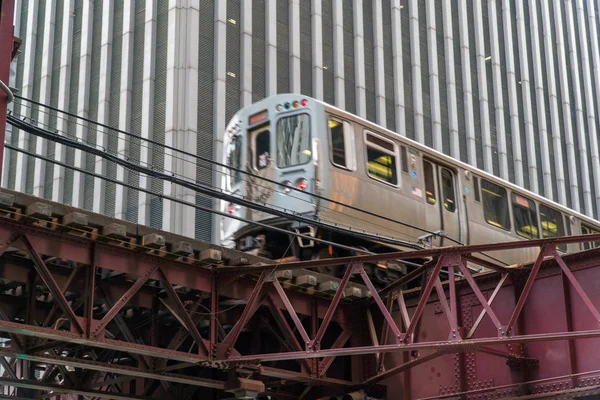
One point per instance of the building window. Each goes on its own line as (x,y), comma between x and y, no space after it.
(495,205)
(381,159)
(429,182)
(525,215)
(552,223)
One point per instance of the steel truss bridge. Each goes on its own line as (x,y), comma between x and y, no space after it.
(98,309)
(92,307)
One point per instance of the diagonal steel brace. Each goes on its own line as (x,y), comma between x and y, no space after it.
(48,279)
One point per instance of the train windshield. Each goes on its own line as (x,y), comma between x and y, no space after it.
(234,159)
(293,140)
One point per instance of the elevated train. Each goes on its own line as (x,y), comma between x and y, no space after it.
(302,142)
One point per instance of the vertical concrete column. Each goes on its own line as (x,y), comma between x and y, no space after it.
(219,96)
(593,20)
(64,85)
(380,116)
(526,92)
(28,79)
(539,93)
(83,98)
(399,107)
(553,97)
(147,126)
(434,76)
(513,102)
(484,106)
(564,72)
(588,86)
(338,55)
(103,102)
(271,53)
(41,145)
(125,104)
(463,23)
(583,151)
(246,53)
(497,81)
(415,62)
(294,40)
(317,48)
(451,78)
(181,117)
(359,59)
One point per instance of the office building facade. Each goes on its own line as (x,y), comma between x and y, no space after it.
(508,86)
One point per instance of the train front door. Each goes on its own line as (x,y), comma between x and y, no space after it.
(442,204)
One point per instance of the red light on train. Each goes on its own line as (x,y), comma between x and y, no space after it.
(302,184)
(304,102)
(258,117)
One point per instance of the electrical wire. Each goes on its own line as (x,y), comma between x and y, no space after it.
(214,162)
(131,159)
(17,123)
(185,203)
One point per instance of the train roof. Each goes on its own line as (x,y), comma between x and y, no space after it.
(431,152)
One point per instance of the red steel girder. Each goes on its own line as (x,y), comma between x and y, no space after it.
(46,276)
(115,369)
(129,261)
(56,389)
(400,255)
(180,310)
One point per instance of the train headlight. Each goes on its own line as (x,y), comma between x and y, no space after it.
(279,108)
(302,184)
(287,186)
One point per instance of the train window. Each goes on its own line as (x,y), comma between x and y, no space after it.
(262,147)
(552,224)
(342,144)
(294,145)
(429,182)
(495,205)
(476,189)
(525,215)
(585,230)
(448,190)
(234,159)
(381,159)
(404,160)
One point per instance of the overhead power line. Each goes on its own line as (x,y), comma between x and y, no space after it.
(27,127)
(182,202)
(242,171)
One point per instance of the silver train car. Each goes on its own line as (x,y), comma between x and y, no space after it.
(298,141)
